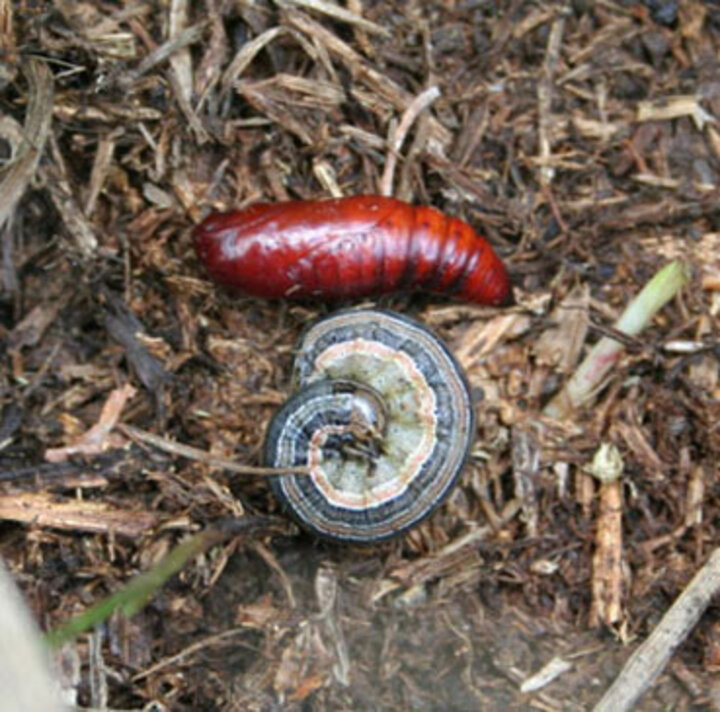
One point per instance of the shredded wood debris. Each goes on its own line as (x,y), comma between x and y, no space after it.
(100,437)
(580,139)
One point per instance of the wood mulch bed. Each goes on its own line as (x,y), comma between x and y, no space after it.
(582,138)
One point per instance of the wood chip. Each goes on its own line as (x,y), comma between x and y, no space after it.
(44,510)
(100,437)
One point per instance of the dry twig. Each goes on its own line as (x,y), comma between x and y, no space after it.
(192,453)
(36,129)
(649,660)
(415,108)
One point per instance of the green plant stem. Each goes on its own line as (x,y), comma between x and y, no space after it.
(588,378)
(136,594)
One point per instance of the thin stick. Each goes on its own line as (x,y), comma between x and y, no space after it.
(193,453)
(414,109)
(165,51)
(338,13)
(191,650)
(649,660)
(545,93)
(38,118)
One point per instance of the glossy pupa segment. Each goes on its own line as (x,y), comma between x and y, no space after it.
(352,247)
(425,439)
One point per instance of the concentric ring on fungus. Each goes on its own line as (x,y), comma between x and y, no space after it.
(382,417)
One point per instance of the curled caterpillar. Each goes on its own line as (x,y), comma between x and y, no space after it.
(361,246)
(384,420)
